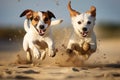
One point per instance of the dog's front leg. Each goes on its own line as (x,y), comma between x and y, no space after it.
(36,53)
(27,49)
(51,48)
(43,55)
(93,44)
(69,46)
(29,56)
(93,47)
(89,48)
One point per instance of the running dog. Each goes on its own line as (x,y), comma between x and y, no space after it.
(38,33)
(83,39)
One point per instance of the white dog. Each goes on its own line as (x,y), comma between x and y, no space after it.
(83,39)
(38,33)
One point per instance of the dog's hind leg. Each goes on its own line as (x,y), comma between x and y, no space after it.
(69,46)
(27,49)
(51,48)
(43,55)
(29,56)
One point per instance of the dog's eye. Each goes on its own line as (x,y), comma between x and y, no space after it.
(46,19)
(36,19)
(89,22)
(79,22)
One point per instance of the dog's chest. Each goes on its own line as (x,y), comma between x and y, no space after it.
(40,44)
(39,41)
(80,40)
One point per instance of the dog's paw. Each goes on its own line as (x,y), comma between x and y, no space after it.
(52,53)
(29,57)
(37,55)
(69,51)
(86,46)
(43,55)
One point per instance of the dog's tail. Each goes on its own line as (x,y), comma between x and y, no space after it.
(26,25)
(56,22)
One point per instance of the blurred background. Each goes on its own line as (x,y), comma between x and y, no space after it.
(11,25)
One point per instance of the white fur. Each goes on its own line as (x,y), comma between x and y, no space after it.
(55,22)
(83,18)
(76,37)
(32,36)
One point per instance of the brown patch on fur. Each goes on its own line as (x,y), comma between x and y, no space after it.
(71,11)
(28,13)
(92,11)
(35,18)
(42,44)
(86,46)
(46,18)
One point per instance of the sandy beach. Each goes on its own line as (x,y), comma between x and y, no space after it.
(104,64)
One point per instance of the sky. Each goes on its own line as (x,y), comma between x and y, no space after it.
(10,10)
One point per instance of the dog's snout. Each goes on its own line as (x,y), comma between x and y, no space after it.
(42,26)
(84,29)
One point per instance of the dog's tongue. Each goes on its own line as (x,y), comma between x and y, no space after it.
(41,32)
(84,34)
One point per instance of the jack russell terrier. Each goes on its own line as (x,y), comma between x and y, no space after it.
(83,39)
(38,33)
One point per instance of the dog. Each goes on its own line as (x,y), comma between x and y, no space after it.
(83,38)
(38,34)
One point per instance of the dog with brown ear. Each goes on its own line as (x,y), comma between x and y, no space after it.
(38,38)
(83,39)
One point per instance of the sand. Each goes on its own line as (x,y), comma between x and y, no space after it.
(104,64)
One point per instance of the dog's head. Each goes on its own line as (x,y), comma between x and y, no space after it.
(83,23)
(40,20)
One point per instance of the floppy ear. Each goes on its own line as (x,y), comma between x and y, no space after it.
(28,13)
(71,11)
(50,14)
(92,11)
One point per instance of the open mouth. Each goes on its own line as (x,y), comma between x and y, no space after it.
(41,32)
(84,34)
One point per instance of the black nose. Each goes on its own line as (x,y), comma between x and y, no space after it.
(84,29)
(42,26)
